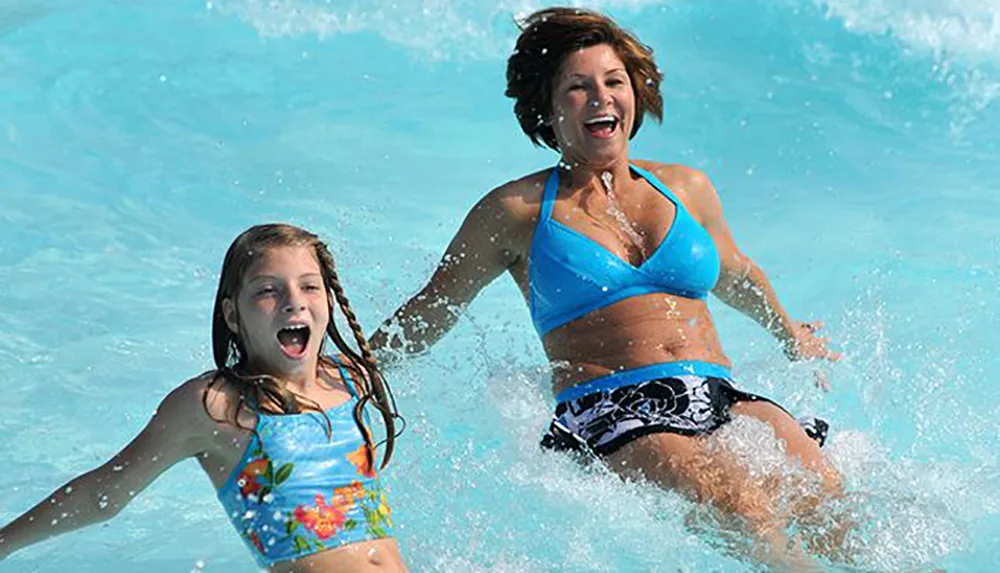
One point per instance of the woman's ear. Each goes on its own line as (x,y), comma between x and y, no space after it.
(230,315)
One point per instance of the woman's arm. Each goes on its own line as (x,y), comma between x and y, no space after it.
(744,286)
(483,248)
(174,433)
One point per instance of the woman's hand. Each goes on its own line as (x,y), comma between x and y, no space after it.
(801,343)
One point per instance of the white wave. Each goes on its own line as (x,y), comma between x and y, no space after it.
(965,29)
(440,29)
(962,36)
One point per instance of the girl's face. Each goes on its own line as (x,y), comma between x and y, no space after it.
(281,312)
(593,106)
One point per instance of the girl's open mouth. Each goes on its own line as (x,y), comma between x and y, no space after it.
(293,340)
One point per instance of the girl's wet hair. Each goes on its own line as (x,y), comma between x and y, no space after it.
(547,37)
(257,391)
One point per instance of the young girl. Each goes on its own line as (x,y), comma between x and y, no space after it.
(300,486)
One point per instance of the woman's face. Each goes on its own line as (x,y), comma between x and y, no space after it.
(593,107)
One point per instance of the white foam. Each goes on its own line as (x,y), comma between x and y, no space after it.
(968,29)
(962,36)
(440,29)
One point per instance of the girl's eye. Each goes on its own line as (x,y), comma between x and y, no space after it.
(265,291)
(312,288)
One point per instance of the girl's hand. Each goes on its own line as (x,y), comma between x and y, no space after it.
(803,344)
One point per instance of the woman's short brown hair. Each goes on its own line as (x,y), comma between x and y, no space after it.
(547,37)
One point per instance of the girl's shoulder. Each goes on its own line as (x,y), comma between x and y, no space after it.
(184,417)
(196,399)
(338,368)
(219,400)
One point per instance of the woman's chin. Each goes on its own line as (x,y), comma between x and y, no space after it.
(600,156)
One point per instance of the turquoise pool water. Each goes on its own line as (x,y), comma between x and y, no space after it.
(853,144)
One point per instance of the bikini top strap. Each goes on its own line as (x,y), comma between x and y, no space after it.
(549,196)
(657,184)
(348,379)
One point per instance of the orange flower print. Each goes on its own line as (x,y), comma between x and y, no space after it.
(344,497)
(247,480)
(323,520)
(359,458)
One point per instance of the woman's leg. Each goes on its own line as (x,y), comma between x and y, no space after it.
(827,533)
(711,476)
(707,473)
(797,444)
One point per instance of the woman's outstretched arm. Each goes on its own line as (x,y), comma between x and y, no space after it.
(480,251)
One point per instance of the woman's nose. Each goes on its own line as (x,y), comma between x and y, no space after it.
(600,97)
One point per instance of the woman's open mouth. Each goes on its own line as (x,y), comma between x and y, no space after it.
(603,126)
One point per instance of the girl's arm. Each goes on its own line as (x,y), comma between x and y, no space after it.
(175,432)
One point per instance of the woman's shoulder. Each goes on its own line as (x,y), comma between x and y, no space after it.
(689,184)
(679,178)
(519,198)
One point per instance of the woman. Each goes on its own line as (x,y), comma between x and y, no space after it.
(615,258)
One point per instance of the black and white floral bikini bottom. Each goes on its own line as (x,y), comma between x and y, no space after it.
(606,419)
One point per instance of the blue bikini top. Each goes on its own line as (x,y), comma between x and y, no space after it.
(300,489)
(571,275)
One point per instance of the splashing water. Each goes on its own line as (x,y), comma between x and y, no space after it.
(615,210)
(131,160)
